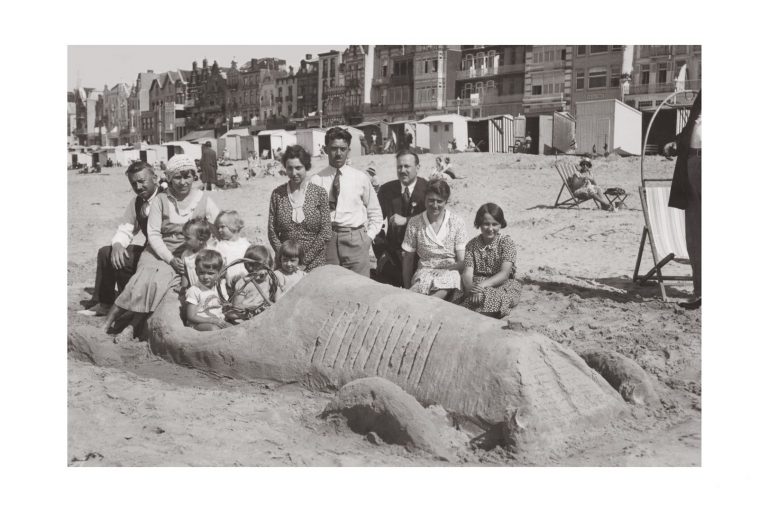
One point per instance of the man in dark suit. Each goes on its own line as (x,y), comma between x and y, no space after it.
(400,200)
(208,166)
(686,193)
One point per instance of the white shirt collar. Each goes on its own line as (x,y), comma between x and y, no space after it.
(410,187)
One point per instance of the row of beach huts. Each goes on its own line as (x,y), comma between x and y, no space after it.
(608,125)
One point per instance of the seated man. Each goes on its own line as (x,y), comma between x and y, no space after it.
(116,264)
(584,185)
(400,200)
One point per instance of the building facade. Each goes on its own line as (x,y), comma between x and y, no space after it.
(548,79)
(306,90)
(116,114)
(434,78)
(286,95)
(353,68)
(330,89)
(490,80)
(596,73)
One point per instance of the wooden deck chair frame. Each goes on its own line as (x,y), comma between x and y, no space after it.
(565,170)
(659,261)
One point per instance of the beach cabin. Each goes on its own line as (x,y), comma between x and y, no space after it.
(101,156)
(270,140)
(557,133)
(399,130)
(124,155)
(608,125)
(248,144)
(356,148)
(444,128)
(371,128)
(311,139)
(231,142)
(493,134)
(181,147)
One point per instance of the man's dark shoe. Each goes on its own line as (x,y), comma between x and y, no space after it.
(691,304)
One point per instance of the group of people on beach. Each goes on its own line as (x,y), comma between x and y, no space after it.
(332,216)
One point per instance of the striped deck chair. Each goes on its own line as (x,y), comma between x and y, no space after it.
(664,230)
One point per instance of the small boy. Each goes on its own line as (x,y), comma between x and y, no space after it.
(202,303)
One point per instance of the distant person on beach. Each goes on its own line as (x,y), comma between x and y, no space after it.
(584,185)
(208,166)
(400,200)
(116,263)
(489,280)
(354,208)
(438,237)
(686,194)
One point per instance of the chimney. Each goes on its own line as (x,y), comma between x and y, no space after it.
(150,71)
(290,70)
(308,56)
(194,65)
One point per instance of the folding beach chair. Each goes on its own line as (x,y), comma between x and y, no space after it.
(665,232)
(664,226)
(567,169)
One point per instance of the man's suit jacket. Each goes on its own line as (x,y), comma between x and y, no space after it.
(391,201)
(678,195)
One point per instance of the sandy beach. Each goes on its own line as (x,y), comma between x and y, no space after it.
(576,266)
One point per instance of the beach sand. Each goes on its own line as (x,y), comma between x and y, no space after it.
(576,267)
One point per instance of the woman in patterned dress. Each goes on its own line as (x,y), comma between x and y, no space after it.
(299,210)
(160,265)
(438,237)
(489,280)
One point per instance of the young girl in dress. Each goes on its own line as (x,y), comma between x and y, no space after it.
(197,236)
(490,287)
(290,257)
(251,297)
(230,244)
(202,303)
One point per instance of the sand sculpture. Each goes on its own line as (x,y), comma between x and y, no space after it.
(335,326)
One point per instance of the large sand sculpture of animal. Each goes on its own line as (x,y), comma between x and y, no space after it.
(334,327)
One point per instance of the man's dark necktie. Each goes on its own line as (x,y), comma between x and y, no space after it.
(335,189)
(406,201)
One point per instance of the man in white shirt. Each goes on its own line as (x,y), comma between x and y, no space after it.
(355,212)
(116,263)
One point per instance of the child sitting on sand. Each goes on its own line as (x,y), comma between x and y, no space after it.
(444,171)
(256,290)
(291,256)
(231,245)
(202,303)
(197,236)
(488,279)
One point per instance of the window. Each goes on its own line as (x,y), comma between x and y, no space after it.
(434,65)
(615,76)
(617,47)
(645,74)
(579,80)
(490,85)
(581,50)
(598,49)
(661,73)
(536,90)
(434,128)
(446,127)
(384,70)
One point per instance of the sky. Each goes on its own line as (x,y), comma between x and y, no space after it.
(97,66)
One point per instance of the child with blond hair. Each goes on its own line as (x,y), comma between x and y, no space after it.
(231,244)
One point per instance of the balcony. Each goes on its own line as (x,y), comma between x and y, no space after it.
(668,87)
(656,50)
(400,79)
(478,72)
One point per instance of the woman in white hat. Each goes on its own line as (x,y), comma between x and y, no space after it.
(160,264)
